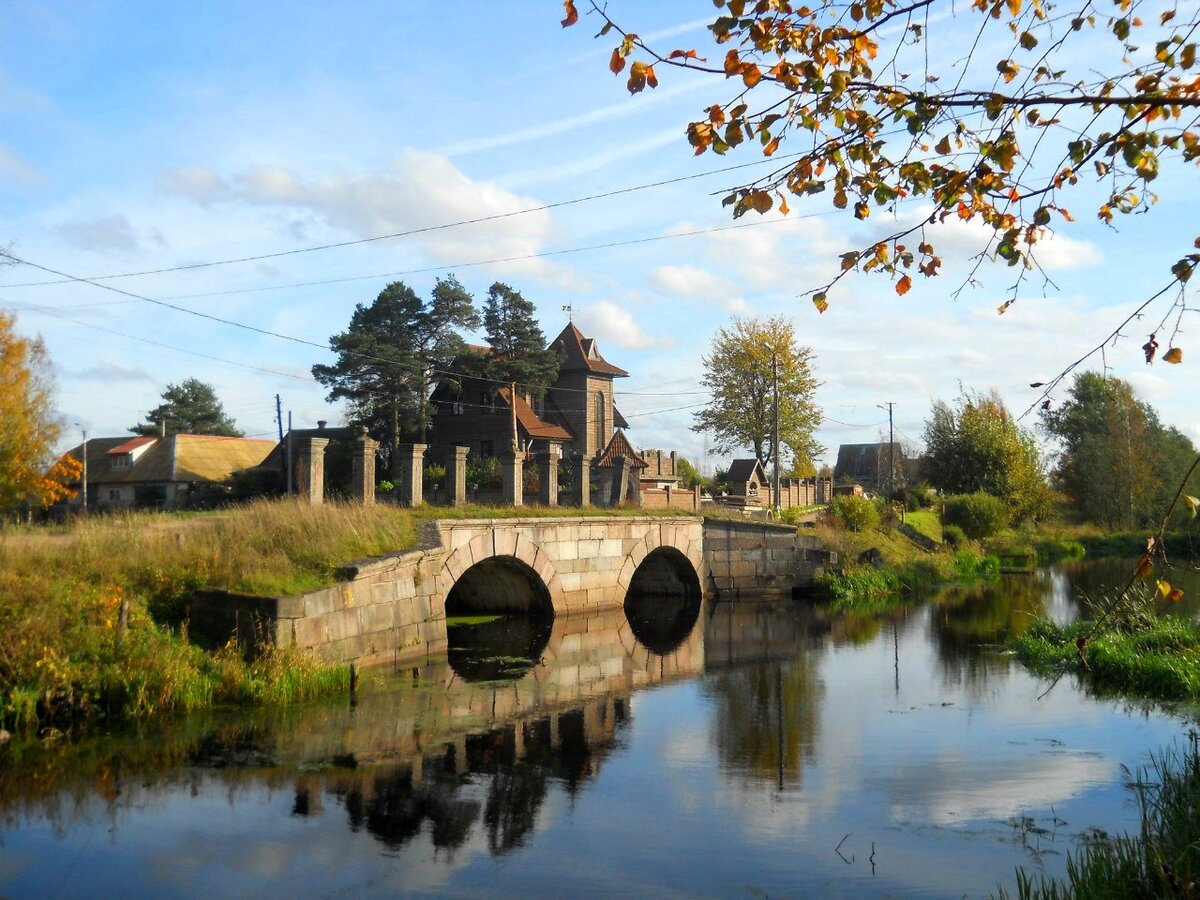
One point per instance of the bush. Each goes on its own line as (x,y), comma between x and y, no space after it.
(256,481)
(979,515)
(953,535)
(859,513)
(435,474)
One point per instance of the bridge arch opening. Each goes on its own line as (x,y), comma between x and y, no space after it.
(663,600)
(498,620)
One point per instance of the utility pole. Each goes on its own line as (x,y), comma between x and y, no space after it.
(83,475)
(775,431)
(279,416)
(287,456)
(891,450)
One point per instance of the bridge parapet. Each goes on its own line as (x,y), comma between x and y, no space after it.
(393,608)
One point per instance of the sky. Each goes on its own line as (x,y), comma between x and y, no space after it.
(137,137)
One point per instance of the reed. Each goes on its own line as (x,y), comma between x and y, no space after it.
(1161,860)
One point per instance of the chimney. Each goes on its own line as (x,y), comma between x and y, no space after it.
(321,424)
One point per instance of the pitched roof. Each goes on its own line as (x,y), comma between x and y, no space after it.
(620,446)
(866,461)
(746,469)
(177,457)
(579,352)
(529,420)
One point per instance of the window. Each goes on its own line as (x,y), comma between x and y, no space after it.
(601,432)
(123,461)
(485,403)
(114,493)
(487,449)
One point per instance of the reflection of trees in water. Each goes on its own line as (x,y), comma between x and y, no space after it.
(394,809)
(767,716)
(968,620)
(516,765)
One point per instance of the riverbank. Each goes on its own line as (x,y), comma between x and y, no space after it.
(93,616)
(1162,859)
(882,567)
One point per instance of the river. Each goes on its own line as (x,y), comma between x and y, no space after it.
(732,749)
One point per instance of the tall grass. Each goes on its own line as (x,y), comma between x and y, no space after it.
(1144,657)
(1161,860)
(90,615)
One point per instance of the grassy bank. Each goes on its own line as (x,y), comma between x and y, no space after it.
(1158,658)
(90,614)
(1161,860)
(904,570)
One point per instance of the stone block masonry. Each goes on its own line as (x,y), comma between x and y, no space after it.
(393,608)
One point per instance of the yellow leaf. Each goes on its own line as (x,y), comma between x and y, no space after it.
(903,285)
(819,302)
(1174,355)
(861,210)
(1164,589)
(1192,503)
(572,13)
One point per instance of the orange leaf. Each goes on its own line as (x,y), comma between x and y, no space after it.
(651,78)
(572,13)
(771,147)
(637,77)
(1175,596)
(903,285)
(1174,355)
(820,302)
(616,63)
(1144,567)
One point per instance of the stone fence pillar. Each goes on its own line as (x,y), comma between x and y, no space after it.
(581,480)
(309,456)
(548,475)
(604,485)
(512,477)
(620,479)
(456,474)
(411,489)
(362,466)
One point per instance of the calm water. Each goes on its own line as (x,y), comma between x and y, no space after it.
(736,750)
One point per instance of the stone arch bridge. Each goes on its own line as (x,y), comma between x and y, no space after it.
(394,608)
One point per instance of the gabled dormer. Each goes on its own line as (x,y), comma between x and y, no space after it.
(123,456)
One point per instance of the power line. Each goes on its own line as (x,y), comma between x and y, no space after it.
(410,232)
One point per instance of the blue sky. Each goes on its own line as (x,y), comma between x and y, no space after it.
(141,136)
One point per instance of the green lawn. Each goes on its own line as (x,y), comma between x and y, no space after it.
(925,521)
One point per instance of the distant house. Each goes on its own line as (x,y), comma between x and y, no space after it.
(748,482)
(577,411)
(161,472)
(867,465)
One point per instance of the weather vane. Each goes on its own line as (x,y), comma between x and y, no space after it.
(570,311)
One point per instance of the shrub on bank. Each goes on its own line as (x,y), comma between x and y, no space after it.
(858,513)
(979,515)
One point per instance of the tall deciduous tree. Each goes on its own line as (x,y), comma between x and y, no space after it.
(994,117)
(741,412)
(191,407)
(29,476)
(1118,464)
(518,347)
(976,445)
(389,356)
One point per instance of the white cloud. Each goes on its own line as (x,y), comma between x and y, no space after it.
(420,192)
(696,284)
(613,324)
(106,234)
